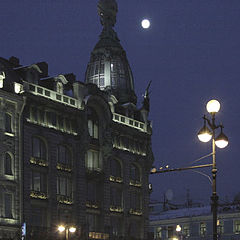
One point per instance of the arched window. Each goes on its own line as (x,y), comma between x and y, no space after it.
(63,155)
(8,164)
(116,168)
(93,160)
(134,172)
(39,148)
(8,123)
(93,128)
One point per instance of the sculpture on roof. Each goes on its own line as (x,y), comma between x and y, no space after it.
(107,9)
(146,99)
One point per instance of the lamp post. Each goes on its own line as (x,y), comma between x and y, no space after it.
(221,141)
(67,229)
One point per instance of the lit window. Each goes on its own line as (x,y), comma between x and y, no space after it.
(186,230)
(8,205)
(38,182)
(63,155)
(116,197)
(159,233)
(64,186)
(8,164)
(134,172)
(8,123)
(93,160)
(116,169)
(93,124)
(203,229)
(220,226)
(237,226)
(39,148)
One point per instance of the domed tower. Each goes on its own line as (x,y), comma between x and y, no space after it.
(108,67)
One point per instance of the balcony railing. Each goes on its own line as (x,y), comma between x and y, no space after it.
(38,195)
(39,161)
(55,96)
(65,199)
(129,122)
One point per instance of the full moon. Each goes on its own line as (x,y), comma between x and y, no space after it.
(145,23)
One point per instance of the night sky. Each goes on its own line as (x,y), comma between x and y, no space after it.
(191,53)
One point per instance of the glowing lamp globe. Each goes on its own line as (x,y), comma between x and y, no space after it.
(178,228)
(213,106)
(221,141)
(72,229)
(204,135)
(61,228)
(145,23)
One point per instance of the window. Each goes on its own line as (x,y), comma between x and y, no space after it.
(8,123)
(93,192)
(8,164)
(117,226)
(39,148)
(63,155)
(116,197)
(38,217)
(186,230)
(220,226)
(159,233)
(93,222)
(116,169)
(64,186)
(170,231)
(93,160)
(237,226)
(93,127)
(134,172)
(135,200)
(8,205)
(38,182)
(203,228)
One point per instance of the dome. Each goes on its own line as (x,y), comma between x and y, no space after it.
(108,67)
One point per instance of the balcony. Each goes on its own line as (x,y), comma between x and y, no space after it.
(137,212)
(39,161)
(65,199)
(64,167)
(55,96)
(117,209)
(92,204)
(135,183)
(92,173)
(141,126)
(38,195)
(115,179)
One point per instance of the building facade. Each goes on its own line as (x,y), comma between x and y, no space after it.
(75,153)
(195,223)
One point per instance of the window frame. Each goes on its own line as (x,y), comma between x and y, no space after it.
(11,216)
(8,126)
(42,143)
(11,164)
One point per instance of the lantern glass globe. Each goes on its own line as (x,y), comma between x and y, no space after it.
(213,106)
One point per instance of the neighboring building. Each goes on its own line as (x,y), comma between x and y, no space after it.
(195,222)
(75,153)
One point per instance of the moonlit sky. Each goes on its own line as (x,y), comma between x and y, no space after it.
(191,53)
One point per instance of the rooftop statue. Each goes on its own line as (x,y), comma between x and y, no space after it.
(107,9)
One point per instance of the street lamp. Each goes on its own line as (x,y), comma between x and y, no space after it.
(221,141)
(67,229)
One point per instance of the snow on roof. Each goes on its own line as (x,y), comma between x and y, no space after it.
(180,213)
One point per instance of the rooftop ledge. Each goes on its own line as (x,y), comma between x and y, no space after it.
(72,102)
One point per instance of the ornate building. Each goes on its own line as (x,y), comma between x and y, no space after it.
(75,153)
